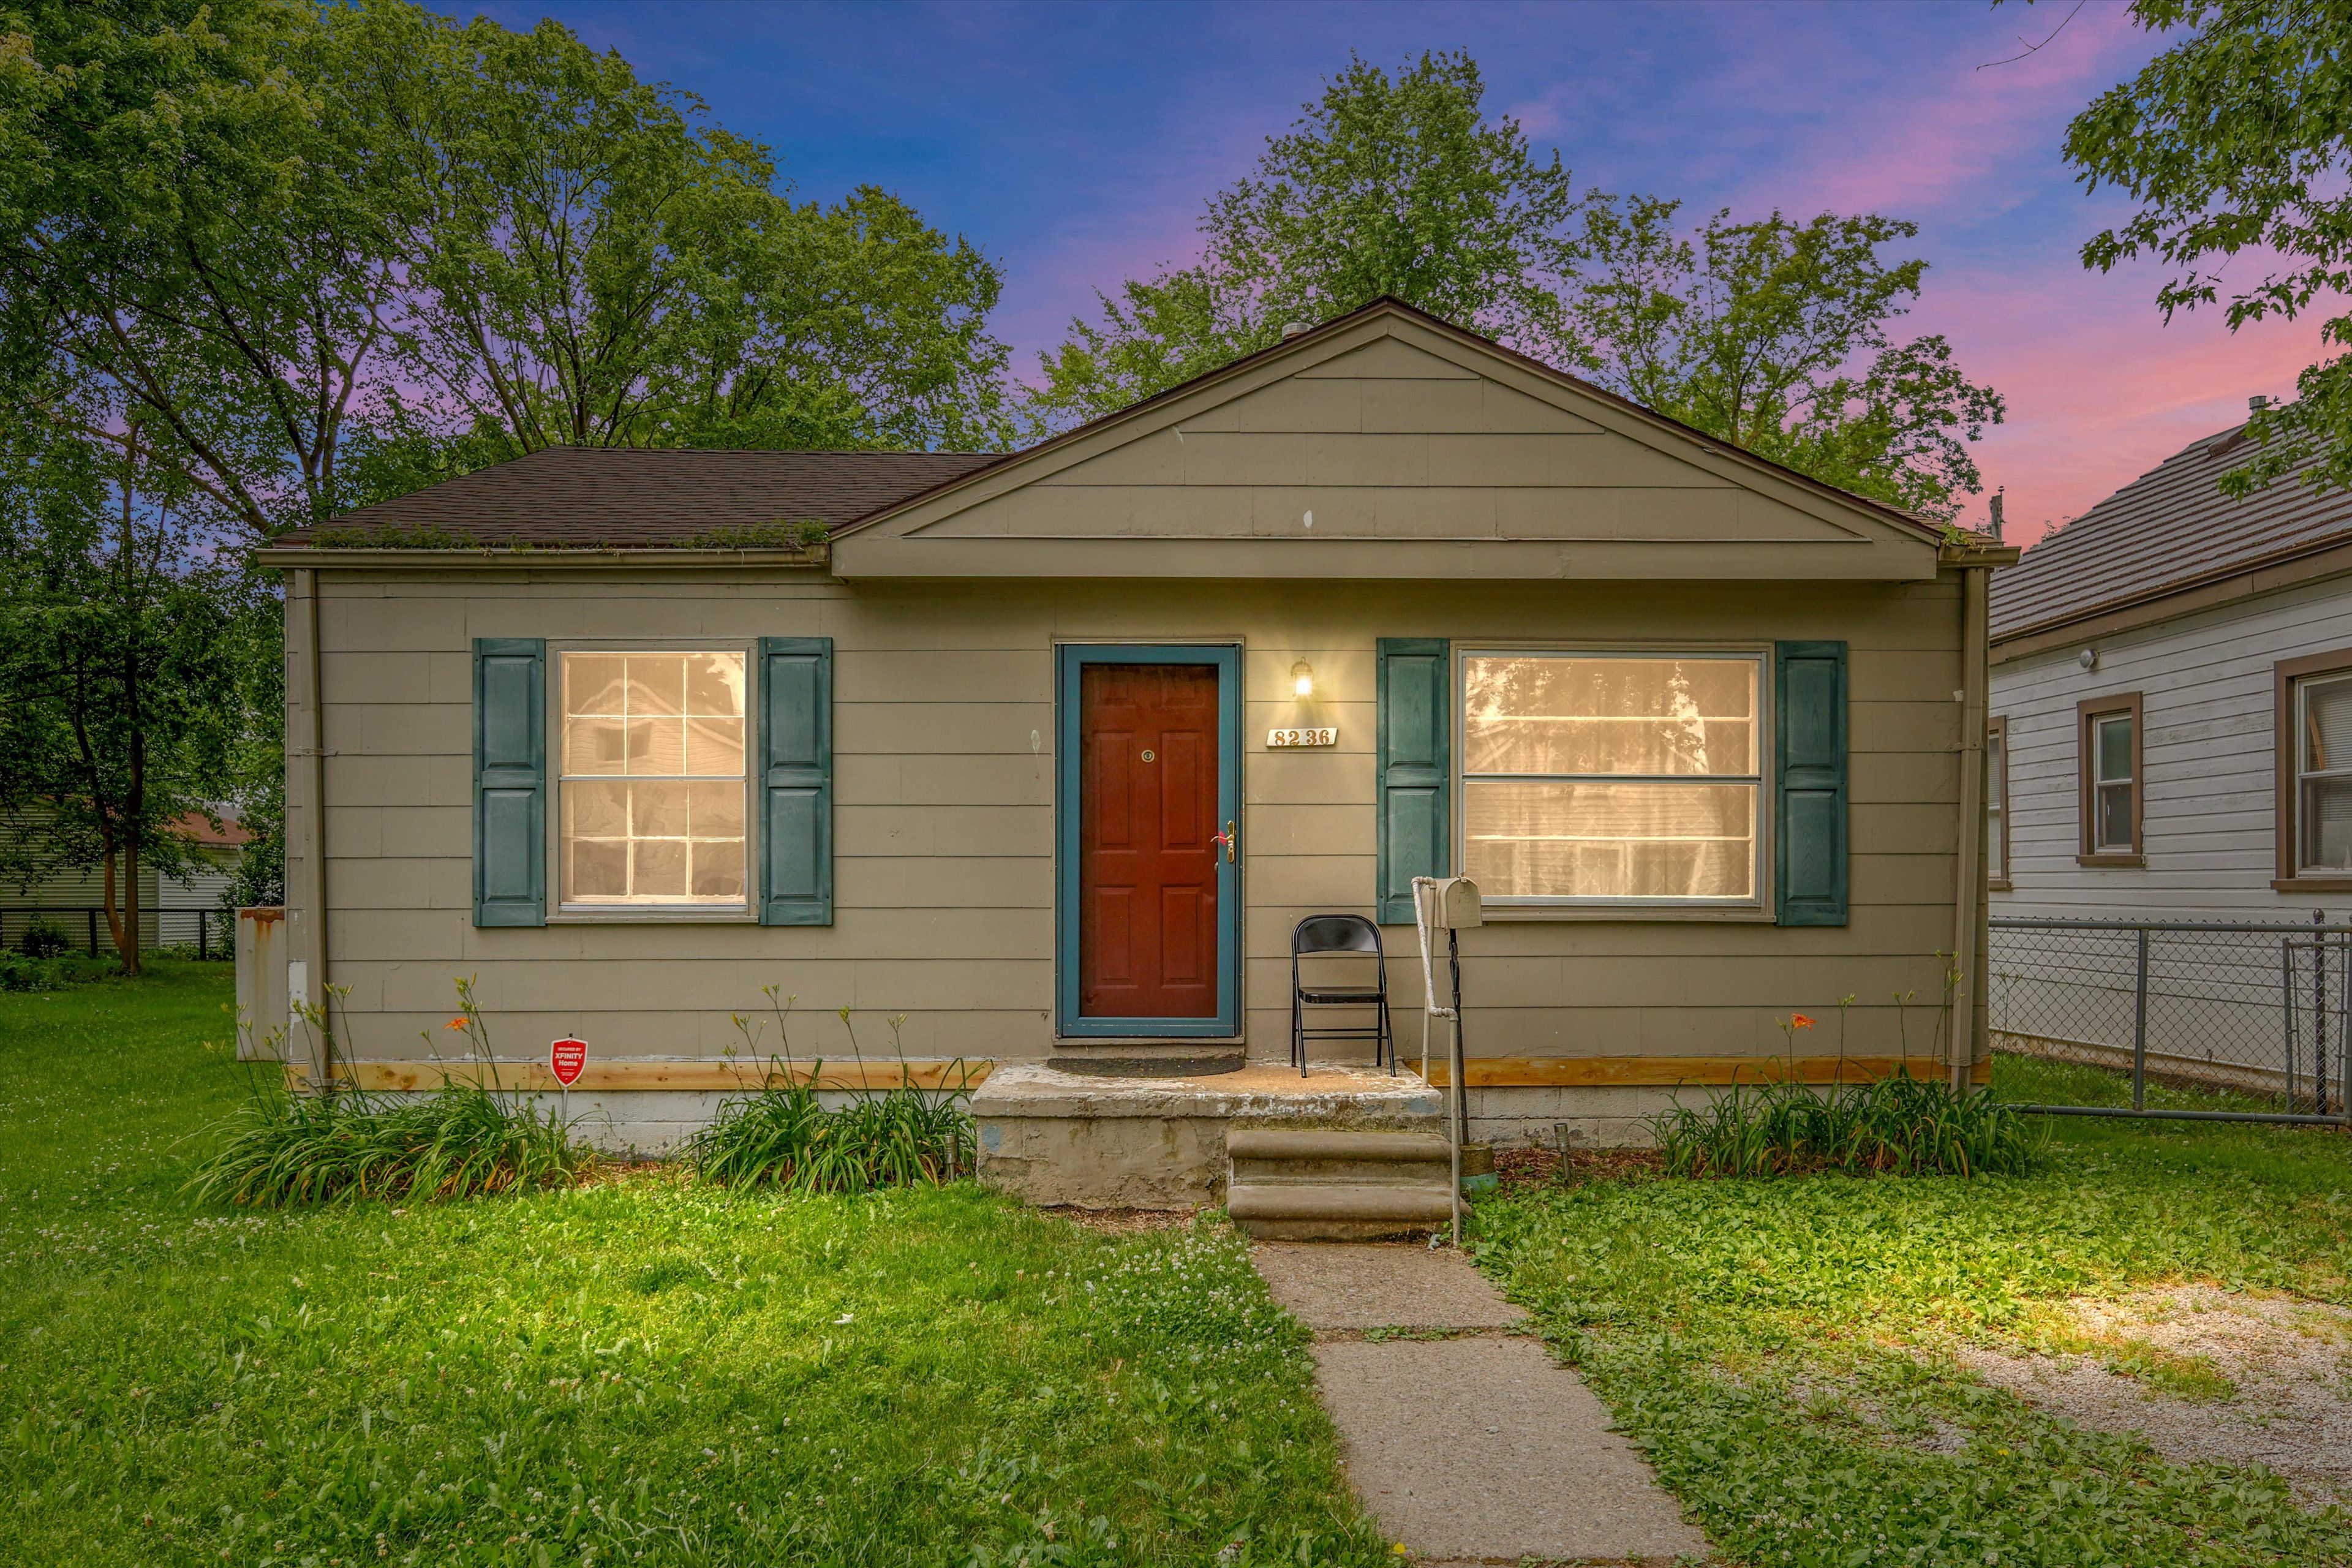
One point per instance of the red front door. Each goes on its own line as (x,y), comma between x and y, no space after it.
(1147,855)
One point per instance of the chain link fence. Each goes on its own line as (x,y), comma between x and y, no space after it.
(2196,1020)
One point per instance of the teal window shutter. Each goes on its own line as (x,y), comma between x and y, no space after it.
(1810,782)
(1414,770)
(796,781)
(509,782)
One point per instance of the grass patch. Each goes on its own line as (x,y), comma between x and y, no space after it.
(784,1137)
(1773,1345)
(1897,1126)
(645,1370)
(462,1142)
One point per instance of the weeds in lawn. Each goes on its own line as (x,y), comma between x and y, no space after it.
(783,1136)
(466,1139)
(1898,1126)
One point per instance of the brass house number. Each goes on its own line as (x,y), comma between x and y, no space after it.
(1328,735)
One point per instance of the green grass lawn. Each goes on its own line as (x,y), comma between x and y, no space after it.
(638,1371)
(1775,1344)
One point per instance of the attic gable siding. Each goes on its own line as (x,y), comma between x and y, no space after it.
(1453,460)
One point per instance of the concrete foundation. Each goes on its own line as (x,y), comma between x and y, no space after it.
(1054,1137)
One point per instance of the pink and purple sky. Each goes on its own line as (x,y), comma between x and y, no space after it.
(1076,144)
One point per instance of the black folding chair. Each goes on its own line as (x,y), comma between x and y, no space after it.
(1340,934)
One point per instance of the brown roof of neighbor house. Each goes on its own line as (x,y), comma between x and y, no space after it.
(630,495)
(2167,531)
(196,829)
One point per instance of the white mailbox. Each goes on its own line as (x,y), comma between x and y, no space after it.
(1453,904)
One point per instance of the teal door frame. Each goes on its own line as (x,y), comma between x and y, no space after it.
(1068,660)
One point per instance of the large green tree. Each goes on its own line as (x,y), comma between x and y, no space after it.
(315,253)
(117,678)
(1400,185)
(2236,144)
(1777,336)
(591,262)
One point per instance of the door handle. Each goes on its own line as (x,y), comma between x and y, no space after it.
(1229,839)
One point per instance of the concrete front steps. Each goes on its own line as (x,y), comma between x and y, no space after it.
(1296,1183)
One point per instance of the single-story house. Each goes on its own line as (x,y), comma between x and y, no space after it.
(1040,757)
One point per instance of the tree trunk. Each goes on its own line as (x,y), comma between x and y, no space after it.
(131,912)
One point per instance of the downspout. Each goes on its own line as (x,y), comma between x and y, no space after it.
(309,749)
(1967,903)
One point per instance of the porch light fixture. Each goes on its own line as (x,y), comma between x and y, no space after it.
(1302,678)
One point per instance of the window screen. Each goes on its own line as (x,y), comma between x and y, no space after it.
(1614,777)
(2323,727)
(2112,783)
(652,786)
(1997,803)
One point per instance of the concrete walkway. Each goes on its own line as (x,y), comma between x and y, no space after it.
(1469,1443)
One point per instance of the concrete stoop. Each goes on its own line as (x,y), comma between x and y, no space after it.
(1285,1184)
(1104,1141)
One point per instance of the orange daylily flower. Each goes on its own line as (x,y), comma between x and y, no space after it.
(455,1023)
(1799,1021)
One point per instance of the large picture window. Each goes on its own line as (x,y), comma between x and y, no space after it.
(652,794)
(1612,777)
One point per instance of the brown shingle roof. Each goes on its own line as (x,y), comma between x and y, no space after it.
(2168,530)
(612,496)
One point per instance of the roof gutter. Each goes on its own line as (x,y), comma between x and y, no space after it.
(300,557)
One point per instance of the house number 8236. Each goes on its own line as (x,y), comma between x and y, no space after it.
(1328,735)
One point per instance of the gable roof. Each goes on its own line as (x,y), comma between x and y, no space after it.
(625,497)
(2168,532)
(1424,449)
(1690,492)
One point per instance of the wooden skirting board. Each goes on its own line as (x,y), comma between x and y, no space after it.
(1483,1072)
(635,1077)
(1665,1072)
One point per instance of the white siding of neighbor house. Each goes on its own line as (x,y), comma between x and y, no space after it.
(2205,683)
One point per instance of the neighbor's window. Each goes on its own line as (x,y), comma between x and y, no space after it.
(1996,801)
(2111,781)
(653,790)
(2323,726)
(1608,776)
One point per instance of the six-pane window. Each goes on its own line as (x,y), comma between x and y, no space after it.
(2323,774)
(2112,784)
(651,784)
(1607,776)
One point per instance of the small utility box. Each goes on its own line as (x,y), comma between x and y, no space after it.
(1454,904)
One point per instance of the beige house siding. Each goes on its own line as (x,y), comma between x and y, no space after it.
(944,817)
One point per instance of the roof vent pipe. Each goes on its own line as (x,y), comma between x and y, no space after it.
(2257,403)
(1996,514)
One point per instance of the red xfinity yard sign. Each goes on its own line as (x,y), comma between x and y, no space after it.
(567,1057)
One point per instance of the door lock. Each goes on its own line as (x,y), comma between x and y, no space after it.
(1229,839)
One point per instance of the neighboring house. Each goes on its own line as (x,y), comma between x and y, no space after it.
(1045,756)
(2172,703)
(71,898)
(2172,742)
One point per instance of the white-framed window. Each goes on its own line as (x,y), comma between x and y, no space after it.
(1608,777)
(2323,795)
(653,796)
